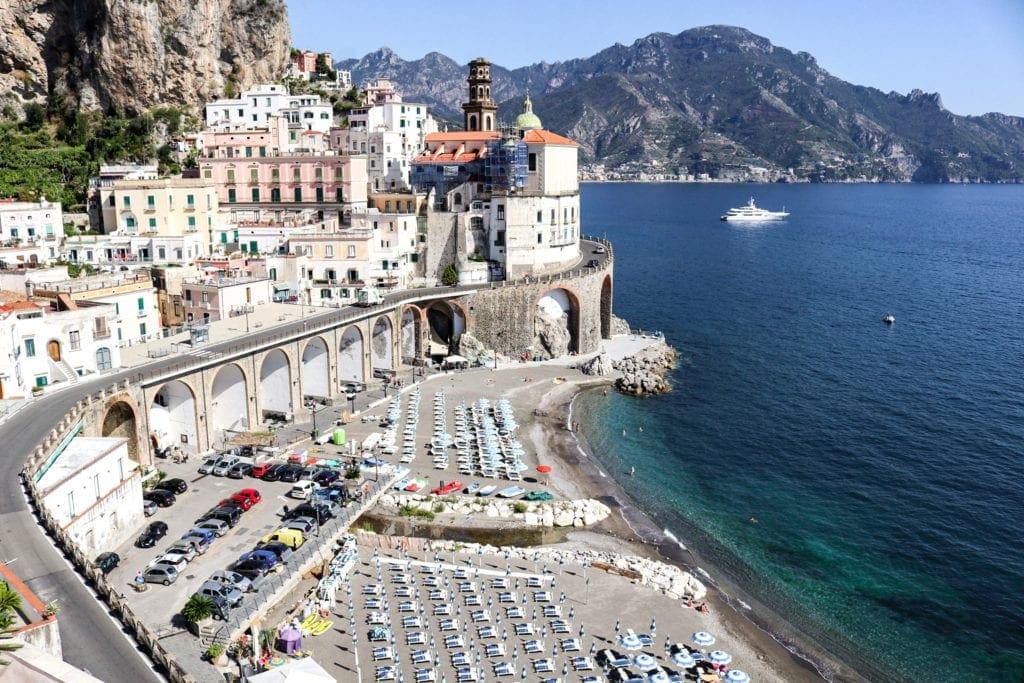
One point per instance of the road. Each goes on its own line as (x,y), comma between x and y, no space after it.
(91,640)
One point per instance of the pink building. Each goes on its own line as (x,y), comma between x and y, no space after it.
(253,166)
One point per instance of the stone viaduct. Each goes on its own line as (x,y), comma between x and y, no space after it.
(197,402)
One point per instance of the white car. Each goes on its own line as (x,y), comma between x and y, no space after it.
(176,560)
(218,527)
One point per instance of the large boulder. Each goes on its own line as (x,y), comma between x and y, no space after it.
(552,337)
(599,366)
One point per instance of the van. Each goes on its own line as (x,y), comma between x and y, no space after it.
(302,489)
(292,538)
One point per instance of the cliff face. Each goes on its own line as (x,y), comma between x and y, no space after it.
(135,54)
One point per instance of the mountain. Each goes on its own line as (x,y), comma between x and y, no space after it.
(136,54)
(723,101)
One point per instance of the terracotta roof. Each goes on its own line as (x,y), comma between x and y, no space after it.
(546,137)
(464,135)
(447,158)
(18,306)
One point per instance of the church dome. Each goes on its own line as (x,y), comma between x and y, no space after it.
(528,120)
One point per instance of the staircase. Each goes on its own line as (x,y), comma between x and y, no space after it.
(60,371)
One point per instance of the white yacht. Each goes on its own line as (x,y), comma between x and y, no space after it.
(750,212)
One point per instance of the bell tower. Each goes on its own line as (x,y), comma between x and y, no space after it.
(480,113)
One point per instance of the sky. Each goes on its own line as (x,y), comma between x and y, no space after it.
(971,52)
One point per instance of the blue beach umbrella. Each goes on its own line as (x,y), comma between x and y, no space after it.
(737,676)
(703,638)
(684,659)
(719,657)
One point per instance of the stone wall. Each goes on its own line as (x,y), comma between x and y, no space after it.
(502,316)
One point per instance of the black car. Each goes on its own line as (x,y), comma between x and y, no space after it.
(164,499)
(317,512)
(282,551)
(229,515)
(250,569)
(290,473)
(107,562)
(153,533)
(593,263)
(326,477)
(274,472)
(172,485)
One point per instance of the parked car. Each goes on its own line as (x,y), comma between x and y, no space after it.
(293,538)
(205,534)
(164,499)
(599,249)
(212,589)
(224,464)
(228,514)
(161,573)
(326,477)
(444,489)
(217,526)
(303,524)
(239,470)
(273,472)
(178,549)
(107,562)
(290,473)
(197,544)
(226,577)
(319,513)
(283,552)
(149,508)
(252,494)
(309,473)
(208,465)
(593,263)
(242,503)
(153,533)
(264,557)
(251,569)
(259,470)
(354,387)
(173,485)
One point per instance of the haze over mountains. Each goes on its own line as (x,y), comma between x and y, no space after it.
(723,101)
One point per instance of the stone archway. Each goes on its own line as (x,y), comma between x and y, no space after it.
(275,384)
(121,420)
(315,372)
(411,334)
(229,406)
(172,417)
(606,308)
(350,356)
(381,345)
(446,322)
(556,324)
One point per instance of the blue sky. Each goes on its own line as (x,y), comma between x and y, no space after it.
(972,52)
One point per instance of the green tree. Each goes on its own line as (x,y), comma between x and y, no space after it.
(450,276)
(35,117)
(197,608)
(5,635)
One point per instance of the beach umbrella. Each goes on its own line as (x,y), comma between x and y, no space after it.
(654,625)
(737,676)
(684,659)
(645,661)
(719,657)
(703,638)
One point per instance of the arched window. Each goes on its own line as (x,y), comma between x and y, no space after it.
(458,199)
(487,123)
(472,122)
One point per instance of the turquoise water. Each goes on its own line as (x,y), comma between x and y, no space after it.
(884,465)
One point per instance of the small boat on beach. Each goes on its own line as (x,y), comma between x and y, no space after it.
(511,492)
(751,212)
(487,490)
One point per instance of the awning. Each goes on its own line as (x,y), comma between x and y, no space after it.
(282,287)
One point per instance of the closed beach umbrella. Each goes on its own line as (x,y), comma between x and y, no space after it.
(719,657)
(737,676)
(703,638)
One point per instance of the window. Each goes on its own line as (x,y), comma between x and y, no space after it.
(255,192)
(552,216)
(103,357)
(30,348)
(263,151)
(254,247)
(532,160)
(207,173)
(351,251)
(231,175)
(129,223)
(190,201)
(499,238)
(142,329)
(192,223)
(161,253)
(339,195)
(127,202)
(501,212)
(254,175)
(150,202)
(540,238)
(329,251)
(152,224)
(142,304)
(231,195)
(298,194)
(297,174)
(540,216)
(248,150)
(275,175)
(338,177)
(117,309)
(96,485)
(319,174)
(206,297)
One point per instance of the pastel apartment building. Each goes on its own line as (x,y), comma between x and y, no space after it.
(218,296)
(30,232)
(257,106)
(133,296)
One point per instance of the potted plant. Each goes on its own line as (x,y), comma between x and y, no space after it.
(51,610)
(199,608)
(215,653)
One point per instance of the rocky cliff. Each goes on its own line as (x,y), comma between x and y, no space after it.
(135,54)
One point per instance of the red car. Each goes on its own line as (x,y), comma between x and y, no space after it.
(451,487)
(238,501)
(252,494)
(258,471)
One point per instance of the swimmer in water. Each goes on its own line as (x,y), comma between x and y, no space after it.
(632,471)
(641,429)
(623,432)
(753,520)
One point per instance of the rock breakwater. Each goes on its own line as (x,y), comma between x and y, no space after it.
(643,374)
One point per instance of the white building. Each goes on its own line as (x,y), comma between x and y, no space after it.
(95,492)
(40,346)
(132,294)
(256,106)
(389,131)
(30,232)
(216,296)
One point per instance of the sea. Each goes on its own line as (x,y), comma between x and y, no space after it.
(861,481)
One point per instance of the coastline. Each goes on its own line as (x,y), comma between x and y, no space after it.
(774,642)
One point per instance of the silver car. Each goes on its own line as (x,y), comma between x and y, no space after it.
(161,573)
(232,579)
(224,464)
(212,589)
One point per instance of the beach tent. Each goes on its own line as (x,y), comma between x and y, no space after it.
(296,671)
(456,361)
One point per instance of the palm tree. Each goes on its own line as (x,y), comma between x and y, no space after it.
(5,635)
(10,603)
